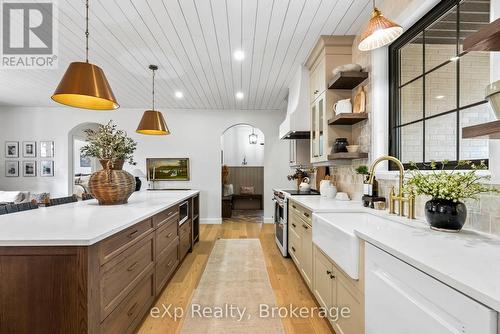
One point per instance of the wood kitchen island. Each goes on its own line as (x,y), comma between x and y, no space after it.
(85,268)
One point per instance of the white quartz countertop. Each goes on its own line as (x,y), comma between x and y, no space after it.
(83,223)
(468,261)
(317,203)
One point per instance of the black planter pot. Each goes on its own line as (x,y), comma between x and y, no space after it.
(138,184)
(445,215)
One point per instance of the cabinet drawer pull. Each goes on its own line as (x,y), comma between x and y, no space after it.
(132,234)
(305,226)
(293,248)
(332,276)
(293,206)
(132,266)
(316,91)
(328,272)
(294,225)
(131,310)
(169,235)
(306,214)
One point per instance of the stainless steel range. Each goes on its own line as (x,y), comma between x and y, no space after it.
(280,200)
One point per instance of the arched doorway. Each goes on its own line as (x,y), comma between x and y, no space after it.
(242,169)
(79,167)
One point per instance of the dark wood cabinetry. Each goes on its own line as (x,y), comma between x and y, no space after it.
(104,288)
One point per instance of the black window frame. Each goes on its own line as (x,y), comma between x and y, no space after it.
(394,86)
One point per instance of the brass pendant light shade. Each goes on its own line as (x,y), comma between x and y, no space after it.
(380,32)
(84,85)
(152,121)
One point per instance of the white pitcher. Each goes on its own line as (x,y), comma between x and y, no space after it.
(342,107)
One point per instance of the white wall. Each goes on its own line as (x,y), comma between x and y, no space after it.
(236,146)
(195,134)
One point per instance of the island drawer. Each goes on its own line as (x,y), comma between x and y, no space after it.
(165,216)
(114,245)
(165,235)
(120,275)
(166,265)
(126,317)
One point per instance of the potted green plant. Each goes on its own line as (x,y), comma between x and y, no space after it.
(445,211)
(112,147)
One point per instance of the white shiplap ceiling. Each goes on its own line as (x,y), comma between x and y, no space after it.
(192,42)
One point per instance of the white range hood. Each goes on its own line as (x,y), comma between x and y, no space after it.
(297,122)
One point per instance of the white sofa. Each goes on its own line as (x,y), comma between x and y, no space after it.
(16,197)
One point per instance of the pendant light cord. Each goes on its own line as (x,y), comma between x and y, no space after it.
(153,89)
(87,31)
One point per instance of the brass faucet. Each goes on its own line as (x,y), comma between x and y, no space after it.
(400,198)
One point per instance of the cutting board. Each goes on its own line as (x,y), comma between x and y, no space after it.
(359,101)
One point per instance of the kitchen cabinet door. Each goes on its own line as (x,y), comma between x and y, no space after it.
(294,240)
(314,133)
(317,84)
(307,253)
(323,280)
(346,297)
(402,299)
(319,140)
(299,152)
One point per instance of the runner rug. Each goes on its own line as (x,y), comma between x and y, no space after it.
(234,294)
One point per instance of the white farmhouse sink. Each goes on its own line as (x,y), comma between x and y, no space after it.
(334,234)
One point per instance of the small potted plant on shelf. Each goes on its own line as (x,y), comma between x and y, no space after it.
(445,211)
(112,147)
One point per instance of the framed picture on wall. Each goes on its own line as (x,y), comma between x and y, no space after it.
(46,149)
(168,169)
(11,168)
(12,149)
(29,168)
(46,168)
(29,149)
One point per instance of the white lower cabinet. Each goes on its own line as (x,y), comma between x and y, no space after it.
(324,288)
(336,292)
(300,241)
(401,299)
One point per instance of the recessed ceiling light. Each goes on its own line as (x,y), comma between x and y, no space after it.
(439,97)
(239,55)
(240,95)
(179,94)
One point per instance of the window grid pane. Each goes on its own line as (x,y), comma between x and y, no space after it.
(439,91)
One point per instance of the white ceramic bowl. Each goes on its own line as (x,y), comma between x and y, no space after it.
(347,68)
(352,148)
(493,97)
(341,196)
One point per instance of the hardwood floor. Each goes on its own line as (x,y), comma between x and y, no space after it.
(285,279)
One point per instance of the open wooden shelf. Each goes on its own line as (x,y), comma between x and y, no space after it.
(486,130)
(348,118)
(347,156)
(486,39)
(347,80)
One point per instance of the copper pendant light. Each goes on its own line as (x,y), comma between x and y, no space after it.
(152,121)
(380,31)
(84,85)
